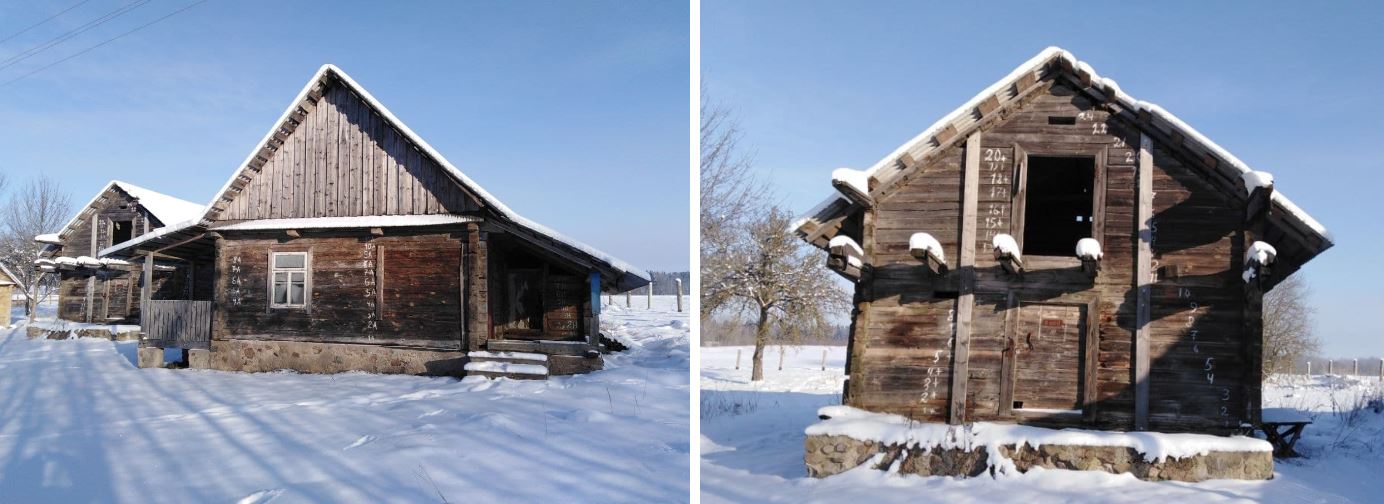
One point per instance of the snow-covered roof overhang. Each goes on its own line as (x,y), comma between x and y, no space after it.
(632,276)
(7,277)
(820,223)
(163,207)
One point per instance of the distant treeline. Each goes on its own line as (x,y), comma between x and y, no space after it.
(664,284)
(733,333)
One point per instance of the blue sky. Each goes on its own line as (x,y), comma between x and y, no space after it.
(574,114)
(1289,88)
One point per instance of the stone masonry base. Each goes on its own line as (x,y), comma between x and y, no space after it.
(828,455)
(90,332)
(260,356)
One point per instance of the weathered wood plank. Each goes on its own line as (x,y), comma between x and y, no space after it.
(1143,283)
(966,297)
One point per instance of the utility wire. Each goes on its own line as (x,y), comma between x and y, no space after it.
(104,42)
(30,52)
(36,25)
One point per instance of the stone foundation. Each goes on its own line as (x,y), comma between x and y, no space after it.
(828,455)
(103,332)
(263,356)
(150,357)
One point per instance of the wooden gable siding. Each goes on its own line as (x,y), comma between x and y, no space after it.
(403,288)
(78,240)
(344,160)
(902,335)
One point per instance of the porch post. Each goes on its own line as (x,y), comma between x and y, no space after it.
(593,328)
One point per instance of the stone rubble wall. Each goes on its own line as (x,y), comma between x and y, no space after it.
(830,455)
(88,332)
(307,357)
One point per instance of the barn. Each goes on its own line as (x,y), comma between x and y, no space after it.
(1057,253)
(345,242)
(96,291)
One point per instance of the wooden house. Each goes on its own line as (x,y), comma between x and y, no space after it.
(1055,252)
(8,283)
(345,242)
(107,291)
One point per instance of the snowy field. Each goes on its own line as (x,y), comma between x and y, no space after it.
(79,423)
(752,446)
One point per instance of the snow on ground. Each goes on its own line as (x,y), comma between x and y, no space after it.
(79,423)
(752,446)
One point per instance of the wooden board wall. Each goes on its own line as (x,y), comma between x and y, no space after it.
(403,288)
(900,354)
(345,160)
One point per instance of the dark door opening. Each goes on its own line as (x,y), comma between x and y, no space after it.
(1059,206)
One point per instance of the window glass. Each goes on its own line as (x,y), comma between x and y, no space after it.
(289,279)
(289,260)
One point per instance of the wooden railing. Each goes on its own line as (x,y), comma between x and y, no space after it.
(177,323)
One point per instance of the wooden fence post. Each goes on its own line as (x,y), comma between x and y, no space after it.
(737,358)
(627,300)
(781,352)
(1355,368)
(1381,370)
(1331,367)
(678,282)
(824,359)
(651,295)
(1309,368)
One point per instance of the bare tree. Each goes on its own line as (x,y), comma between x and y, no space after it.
(40,206)
(1288,334)
(729,195)
(780,281)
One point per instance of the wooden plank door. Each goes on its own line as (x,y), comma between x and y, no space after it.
(1048,362)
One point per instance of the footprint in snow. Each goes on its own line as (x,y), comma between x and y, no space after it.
(364,440)
(261,497)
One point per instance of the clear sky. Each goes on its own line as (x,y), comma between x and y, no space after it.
(1290,88)
(574,114)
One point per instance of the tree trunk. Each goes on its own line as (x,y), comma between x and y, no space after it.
(761,338)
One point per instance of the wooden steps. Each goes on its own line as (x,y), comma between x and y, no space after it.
(507,364)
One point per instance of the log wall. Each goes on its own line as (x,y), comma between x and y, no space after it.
(403,288)
(902,349)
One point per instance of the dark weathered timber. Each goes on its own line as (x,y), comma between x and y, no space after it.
(178,323)
(1165,312)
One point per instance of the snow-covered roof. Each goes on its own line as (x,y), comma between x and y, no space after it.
(367,221)
(637,276)
(921,144)
(9,278)
(167,209)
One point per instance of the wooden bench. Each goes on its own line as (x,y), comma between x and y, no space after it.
(1283,427)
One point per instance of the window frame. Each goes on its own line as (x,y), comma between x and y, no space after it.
(306,271)
(1019,196)
(110,231)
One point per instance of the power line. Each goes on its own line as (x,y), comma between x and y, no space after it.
(30,52)
(107,41)
(36,25)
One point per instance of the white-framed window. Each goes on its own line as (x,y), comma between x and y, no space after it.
(288,279)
